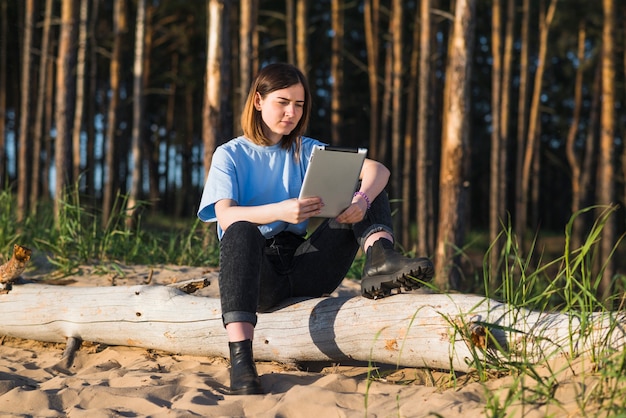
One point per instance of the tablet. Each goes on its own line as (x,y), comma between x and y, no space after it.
(333,174)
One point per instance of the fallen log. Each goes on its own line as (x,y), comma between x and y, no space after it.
(440,331)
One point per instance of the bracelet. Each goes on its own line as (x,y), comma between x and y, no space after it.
(364,196)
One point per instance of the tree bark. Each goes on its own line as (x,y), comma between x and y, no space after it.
(247,29)
(63,104)
(606,163)
(336,71)
(546,18)
(408,147)
(212,92)
(13,268)
(302,53)
(522,106)
(455,149)
(457,332)
(397,90)
(138,111)
(495,215)
(25,134)
(572,156)
(120,26)
(423,137)
(371,21)
(80,88)
(38,134)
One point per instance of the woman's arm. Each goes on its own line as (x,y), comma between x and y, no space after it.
(292,211)
(374,178)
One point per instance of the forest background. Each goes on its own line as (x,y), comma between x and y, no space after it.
(501,116)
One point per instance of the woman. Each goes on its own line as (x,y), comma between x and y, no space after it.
(251,191)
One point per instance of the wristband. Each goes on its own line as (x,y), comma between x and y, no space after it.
(364,196)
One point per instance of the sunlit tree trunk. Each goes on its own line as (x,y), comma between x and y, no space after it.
(80,88)
(110,178)
(495,215)
(606,163)
(572,157)
(138,111)
(25,137)
(371,24)
(423,139)
(35,189)
(247,29)
(302,57)
(3,90)
(522,120)
(505,112)
(63,87)
(212,92)
(336,70)
(397,111)
(545,20)
(455,148)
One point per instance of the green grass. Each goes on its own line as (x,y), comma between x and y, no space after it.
(517,380)
(80,237)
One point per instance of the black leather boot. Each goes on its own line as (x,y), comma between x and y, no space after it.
(244,379)
(386,269)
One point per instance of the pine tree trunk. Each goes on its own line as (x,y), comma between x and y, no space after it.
(138,111)
(25,134)
(455,148)
(572,156)
(606,173)
(546,18)
(63,104)
(302,58)
(371,21)
(423,132)
(38,135)
(212,92)
(80,88)
(120,27)
(336,71)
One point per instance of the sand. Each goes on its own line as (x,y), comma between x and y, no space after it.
(118,381)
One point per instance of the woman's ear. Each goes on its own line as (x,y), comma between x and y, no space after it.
(257,101)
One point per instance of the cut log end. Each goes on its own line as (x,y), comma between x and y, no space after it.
(13,268)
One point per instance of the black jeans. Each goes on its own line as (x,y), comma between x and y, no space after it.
(258,273)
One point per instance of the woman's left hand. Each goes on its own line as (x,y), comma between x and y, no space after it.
(354,213)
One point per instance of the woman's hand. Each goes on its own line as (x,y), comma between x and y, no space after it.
(355,212)
(295,211)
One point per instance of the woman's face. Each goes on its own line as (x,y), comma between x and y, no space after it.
(281,110)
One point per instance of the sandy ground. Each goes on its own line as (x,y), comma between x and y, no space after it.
(117,381)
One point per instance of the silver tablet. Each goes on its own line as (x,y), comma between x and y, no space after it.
(333,175)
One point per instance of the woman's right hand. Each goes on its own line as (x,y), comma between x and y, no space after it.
(295,211)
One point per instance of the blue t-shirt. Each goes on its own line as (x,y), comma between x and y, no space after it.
(254,175)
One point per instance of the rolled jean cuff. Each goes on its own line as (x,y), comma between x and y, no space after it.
(239,316)
(373,230)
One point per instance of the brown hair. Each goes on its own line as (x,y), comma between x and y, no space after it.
(271,78)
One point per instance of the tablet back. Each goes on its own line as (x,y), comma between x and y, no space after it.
(333,174)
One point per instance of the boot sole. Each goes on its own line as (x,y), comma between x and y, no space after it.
(381,286)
